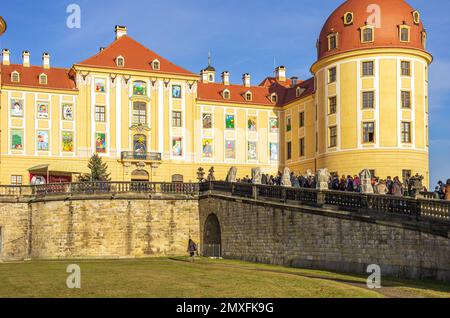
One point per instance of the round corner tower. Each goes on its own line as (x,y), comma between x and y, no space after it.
(371,80)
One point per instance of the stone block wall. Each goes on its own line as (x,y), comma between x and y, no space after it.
(333,240)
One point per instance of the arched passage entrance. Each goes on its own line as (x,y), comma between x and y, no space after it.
(212,237)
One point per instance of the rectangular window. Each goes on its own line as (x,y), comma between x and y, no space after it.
(406,99)
(16,180)
(302,147)
(139,113)
(333,136)
(404,34)
(332,75)
(288,124)
(100,114)
(406,132)
(301,119)
(368,69)
(332,42)
(289,150)
(369,132)
(332,102)
(368,99)
(406,68)
(367,34)
(176,119)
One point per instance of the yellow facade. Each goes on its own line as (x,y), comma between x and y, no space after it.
(332,106)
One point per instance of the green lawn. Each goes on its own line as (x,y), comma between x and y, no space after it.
(163,277)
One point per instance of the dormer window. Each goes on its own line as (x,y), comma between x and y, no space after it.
(15,77)
(274,98)
(226,94)
(120,61)
(332,41)
(348,18)
(416,17)
(424,39)
(156,66)
(404,33)
(299,91)
(367,34)
(248,96)
(42,79)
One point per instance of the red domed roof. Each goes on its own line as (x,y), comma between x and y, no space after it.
(393,13)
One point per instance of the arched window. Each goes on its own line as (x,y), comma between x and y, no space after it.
(156,65)
(15,77)
(248,96)
(226,94)
(43,79)
(274,98)
(332,41)
(120,61)
(367,34)
(404,33)
(139,113)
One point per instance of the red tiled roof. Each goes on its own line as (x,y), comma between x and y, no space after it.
(57,78)
(137,57)
(261,94)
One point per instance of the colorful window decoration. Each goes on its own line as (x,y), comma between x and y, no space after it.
(252,123)
(140,144)
(176,91)
(100,142)
(274,151)
(140,88)
(100,85)
(251,151)
(67,111)
(67,142)
(273,124)
(229,122)
(17,139)
(42,140)
(42,110)
(230,149)
(207,120)
(17,108)
(177,146)
(207,149)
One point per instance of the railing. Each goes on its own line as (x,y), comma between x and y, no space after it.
(145,156)
(115,188)
(345,201)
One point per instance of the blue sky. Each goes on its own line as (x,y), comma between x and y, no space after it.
(243,36)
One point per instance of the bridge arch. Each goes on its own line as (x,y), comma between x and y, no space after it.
(212,237)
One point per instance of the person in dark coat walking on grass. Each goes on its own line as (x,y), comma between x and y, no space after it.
(192,249)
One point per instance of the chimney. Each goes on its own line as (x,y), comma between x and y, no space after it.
(46,60)
(280,73)
(26,58)
(6,55)
(226,78)
(204,75)
(246,80)
(120,31)
(294,81)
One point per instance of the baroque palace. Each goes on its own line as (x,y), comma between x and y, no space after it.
(366,106)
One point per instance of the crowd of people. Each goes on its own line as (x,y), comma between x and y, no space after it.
(388,186)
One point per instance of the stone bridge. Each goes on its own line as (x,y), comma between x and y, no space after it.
(346,232)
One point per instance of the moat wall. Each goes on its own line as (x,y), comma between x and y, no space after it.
(331,240)
(97,228)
